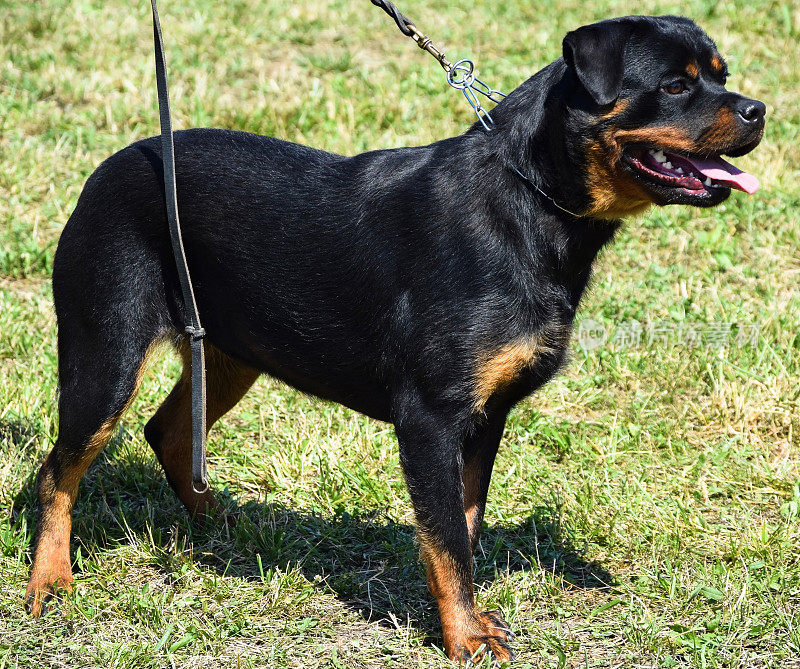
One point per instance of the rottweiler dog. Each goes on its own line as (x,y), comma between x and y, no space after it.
(432,287)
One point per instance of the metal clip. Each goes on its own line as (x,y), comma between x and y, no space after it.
(424,42)
(461,76)
(195,333)
(204,487)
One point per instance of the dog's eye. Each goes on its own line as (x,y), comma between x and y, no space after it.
(674,88)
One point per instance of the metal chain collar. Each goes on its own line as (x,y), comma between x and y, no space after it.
(460,75)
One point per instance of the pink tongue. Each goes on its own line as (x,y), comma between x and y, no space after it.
(721,170)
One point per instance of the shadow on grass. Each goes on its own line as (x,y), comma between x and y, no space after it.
(18,433)
(368,561)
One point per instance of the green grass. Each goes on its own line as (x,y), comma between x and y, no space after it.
(645,508)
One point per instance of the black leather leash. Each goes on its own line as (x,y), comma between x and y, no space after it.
(191,317)
(402,21)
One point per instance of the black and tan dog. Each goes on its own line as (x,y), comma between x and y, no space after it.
(433,287)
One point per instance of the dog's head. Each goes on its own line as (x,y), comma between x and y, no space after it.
(656,116)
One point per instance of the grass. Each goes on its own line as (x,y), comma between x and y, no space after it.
(645,509)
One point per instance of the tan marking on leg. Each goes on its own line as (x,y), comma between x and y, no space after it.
(52,569)
(471,479)
(456,609)
(464,628)
(226,383)
(58,490)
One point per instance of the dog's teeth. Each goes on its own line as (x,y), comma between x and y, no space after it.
(707,182)
(668,165)
(652,152)
(659,156)
(679,170)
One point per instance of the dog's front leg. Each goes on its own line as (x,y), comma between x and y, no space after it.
(431,454)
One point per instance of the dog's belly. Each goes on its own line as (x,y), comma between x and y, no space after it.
(290,314)
(325,366)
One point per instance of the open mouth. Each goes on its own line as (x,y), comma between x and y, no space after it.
(688,177)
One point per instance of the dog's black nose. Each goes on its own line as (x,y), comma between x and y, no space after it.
(751,111)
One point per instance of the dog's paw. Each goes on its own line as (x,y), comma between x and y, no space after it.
(495,622)
(42,594)
(490,635)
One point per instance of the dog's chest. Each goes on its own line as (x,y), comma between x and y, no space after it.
(515,368)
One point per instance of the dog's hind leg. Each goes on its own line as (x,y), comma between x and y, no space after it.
(100,368)
(480,450)
(169,431)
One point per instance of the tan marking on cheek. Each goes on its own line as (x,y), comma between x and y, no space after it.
(612,191)
(666,137)
(693,69)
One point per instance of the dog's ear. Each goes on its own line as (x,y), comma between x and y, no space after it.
(595,54)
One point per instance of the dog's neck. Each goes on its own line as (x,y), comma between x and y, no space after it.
(529,135)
